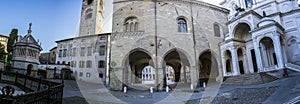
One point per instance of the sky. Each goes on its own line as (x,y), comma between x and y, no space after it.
(51,20)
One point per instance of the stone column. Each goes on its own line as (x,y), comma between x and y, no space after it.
(116,82)
(194,75)
(250,61)
(234,61)
(278,51)
(223,62)
(258,56)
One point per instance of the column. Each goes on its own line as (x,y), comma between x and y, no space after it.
(234,61)
(250,61)
(223,63)
(258,56)
(278,51)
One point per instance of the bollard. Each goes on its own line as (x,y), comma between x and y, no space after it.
(125,89)
(204,84)
(151,90)
(192,87)
(167,89)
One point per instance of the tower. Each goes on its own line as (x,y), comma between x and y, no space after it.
(92,16)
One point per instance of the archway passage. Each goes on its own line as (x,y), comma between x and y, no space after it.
(241,60)
(140,63)
(268,52)
(242,32)
(208,67)
(178,65)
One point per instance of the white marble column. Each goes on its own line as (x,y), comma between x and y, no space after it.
(278,51)
(223,63)
(250,61)
(234,61)
(258,56)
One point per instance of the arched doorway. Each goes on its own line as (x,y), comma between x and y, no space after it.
(139,63)
(267,51)
(29,69)
(241,60)
(208,67)
(228,62)
(176,67)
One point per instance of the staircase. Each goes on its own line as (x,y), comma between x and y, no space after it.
(249,79)
(292,67)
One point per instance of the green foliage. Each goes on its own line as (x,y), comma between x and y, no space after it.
(13,36)
(2,52)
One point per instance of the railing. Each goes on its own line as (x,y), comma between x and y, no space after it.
(116,36)
(37,90)
(293,66)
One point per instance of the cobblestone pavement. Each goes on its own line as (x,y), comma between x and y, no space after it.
(279,91)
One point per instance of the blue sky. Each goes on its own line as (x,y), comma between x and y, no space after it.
(52,19)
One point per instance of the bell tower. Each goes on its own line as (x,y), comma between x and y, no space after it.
(92,16)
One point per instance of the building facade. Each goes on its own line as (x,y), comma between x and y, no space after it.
(26,52)
(86,55)
(157,43)
(3,41)
(263,36)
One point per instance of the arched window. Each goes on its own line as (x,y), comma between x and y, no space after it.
(217,30)
(131,24)
(182,27)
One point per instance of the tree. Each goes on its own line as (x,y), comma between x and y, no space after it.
(2,52)
(13,36)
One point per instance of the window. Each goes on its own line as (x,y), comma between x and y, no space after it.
(59,53)
(182,27)
(102,38)
(88,64)
(102,50)
(64,52)
(217,30)
(74,63)
(58,62)
(80,74)
(81,64)
(131,24)
(101,75)
(74,52)
(248,3)
(89,51)
(101,64)
(82,51)
(64,62)
(88,74)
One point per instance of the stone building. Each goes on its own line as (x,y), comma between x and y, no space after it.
(87,54)
(263,36)
(92,17)
(52,58)
(44,58)
(26,52)
(163,42)
(3,41)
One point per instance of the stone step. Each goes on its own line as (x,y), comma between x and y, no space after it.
(249,79)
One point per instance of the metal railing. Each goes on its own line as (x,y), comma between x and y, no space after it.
(37,90)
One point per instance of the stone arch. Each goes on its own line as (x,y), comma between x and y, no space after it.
(228,61)
(179,61)
(134,63)
(267,49)
(241,32)
(208,65)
